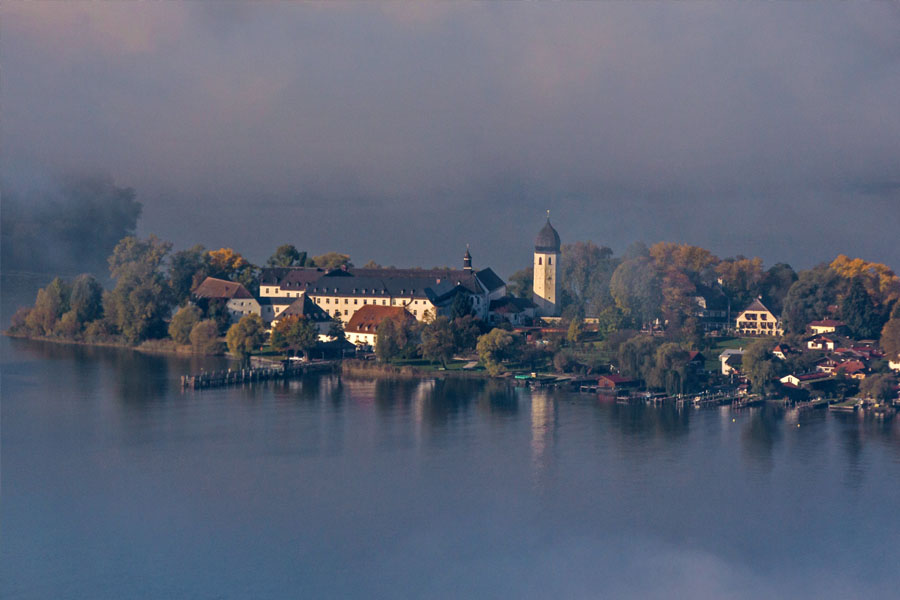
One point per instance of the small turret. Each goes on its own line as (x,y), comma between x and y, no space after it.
(467,260)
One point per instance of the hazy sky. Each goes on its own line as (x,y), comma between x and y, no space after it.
(401,132)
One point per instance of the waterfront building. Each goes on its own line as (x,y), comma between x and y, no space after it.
(756,319)
(546,261)
(237,299)
(363,325)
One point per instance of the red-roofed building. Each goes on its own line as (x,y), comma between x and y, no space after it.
(238,300)
(361,329)
(616,382)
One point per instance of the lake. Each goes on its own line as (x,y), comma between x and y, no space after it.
(116,484)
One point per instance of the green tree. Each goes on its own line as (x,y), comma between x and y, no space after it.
(182,324)
(140,299)
(295,334)
(204,337)
(331,260)
(670,370)
(809,298)
(521,283)
(635,286)
(187,269)
(395,338)
(465,332)
(879,387)
(636,356)
(336,329)
(576,331)
(225,263)
(287,255)
(439,341)
(86,298)
(859,313)
(68,325)
(775,285)
(742,280)
(461,306)
(761,368)
(585,270)
(890,339)
(493,348)
(245,336)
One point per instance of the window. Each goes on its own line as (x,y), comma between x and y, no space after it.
(549,260)
(365,301)
(345,313)
(540,260)
(327,301)
(415,313)
(383,302)
(355,301)
(346,300)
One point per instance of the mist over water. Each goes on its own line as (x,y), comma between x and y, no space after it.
(116,484)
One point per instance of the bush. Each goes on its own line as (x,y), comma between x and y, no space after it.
(98,331)
(204,337)
(183,323)
(564,361)
(68,326)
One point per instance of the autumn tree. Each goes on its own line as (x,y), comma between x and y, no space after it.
(331,260)
(879,280)
(182,323)
(636,356)
(742,279)
(295,334)
(225,263)
(51,303)
(245,336)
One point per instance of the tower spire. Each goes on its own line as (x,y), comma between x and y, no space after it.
(467,260)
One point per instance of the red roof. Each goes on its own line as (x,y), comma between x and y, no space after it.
(367,318)
(221,288)
(827,323)
(613,380)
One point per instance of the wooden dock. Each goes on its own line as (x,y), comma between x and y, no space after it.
(214,379)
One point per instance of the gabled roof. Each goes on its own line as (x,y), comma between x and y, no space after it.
(367,318)
(756,306)
(490,280)
(221,288)
(306,308)
(827,323)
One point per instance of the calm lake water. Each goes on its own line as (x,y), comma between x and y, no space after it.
(115,484)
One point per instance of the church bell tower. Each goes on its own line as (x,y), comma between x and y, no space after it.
(546,259)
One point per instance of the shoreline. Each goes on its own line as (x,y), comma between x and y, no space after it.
(159,347)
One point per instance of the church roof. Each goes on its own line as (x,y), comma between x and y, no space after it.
(547,239)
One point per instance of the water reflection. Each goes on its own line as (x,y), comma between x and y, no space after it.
(543,428)
(761,434)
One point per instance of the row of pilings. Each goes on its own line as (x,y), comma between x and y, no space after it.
(211,379)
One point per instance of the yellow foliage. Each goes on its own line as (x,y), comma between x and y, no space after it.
(684,257)
(226,259)
(880,280)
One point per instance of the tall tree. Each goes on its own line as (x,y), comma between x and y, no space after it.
(635,286)
(87,298)
(187,269)
(859,313)
(585,270)
(182,324)
(890,339)
(287,255)
(741,279)
(51,303)
(760,366)
(775,285)
(331,260)
(295,334)
(438,341)
(245,336)
(809,298)
(521,283)
(140,300)
(494,347)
